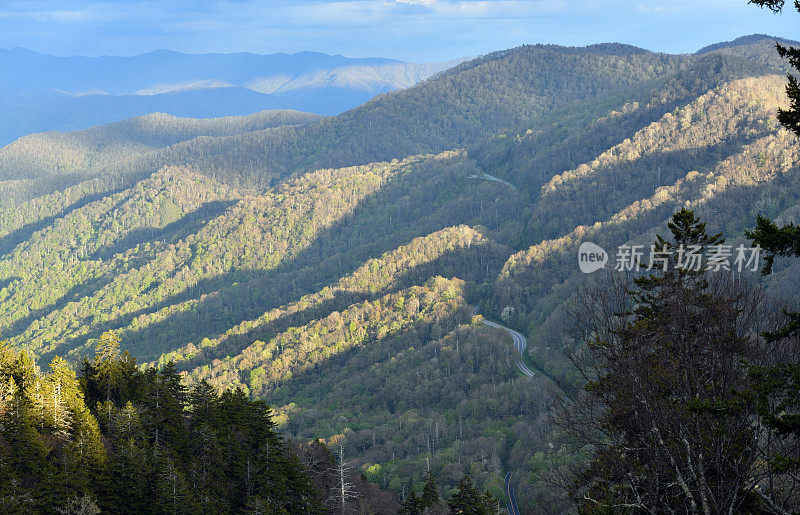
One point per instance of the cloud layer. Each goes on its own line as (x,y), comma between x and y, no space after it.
(418,30)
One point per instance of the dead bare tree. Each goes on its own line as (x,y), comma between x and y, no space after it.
(346,491)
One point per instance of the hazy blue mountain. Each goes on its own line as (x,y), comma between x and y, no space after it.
(46,92)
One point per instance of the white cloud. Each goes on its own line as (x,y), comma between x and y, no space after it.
(374,12)
(409,29)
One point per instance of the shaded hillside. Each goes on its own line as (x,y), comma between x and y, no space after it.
(762,177)
(50,161)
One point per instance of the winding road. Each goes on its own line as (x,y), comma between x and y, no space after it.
(488,177)
(520,342)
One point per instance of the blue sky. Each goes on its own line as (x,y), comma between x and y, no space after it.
(415,30)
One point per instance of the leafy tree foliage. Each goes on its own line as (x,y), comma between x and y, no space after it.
(342,295)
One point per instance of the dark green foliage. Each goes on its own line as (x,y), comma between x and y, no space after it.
(789,118)
(313,290)
(661,407)
(776,386)
(430,492)
(783,241)
(412,504)
(163,451)
(469,501)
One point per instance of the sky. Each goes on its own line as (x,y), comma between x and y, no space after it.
(411,30)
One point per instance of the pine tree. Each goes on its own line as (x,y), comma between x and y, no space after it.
(27,451)
(663,366)
(204,401)
(412,504)
(130,467)
(106,364)
(78,454)
(430,492)
(776,385)
(468,501)
(163,416)
(164,450)
(171,493)
(62,385)
(207,474)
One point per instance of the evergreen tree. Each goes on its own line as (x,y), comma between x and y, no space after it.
(663,365)
(130,466)
(164,404)
(430,492)
(170,491)
(110,378)
(790,118)
(776,385)
(468,501)
(163,451)
(412,504)
(107,363)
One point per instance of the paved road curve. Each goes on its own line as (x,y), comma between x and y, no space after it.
(520,342)
(512,499)
(488,177)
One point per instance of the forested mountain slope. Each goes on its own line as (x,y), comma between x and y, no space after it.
(331,266)
(49,161)
(555,90)
(756,47)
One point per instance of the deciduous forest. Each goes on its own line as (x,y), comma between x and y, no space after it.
(284,312)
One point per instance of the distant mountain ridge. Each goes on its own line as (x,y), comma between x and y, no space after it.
(758,48)
(743,41)
(47,92)
(167,71)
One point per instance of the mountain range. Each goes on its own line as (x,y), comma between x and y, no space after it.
(47,92)
(332,265)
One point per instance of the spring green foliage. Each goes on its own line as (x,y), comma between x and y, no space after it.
(330,267)
(759,177)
